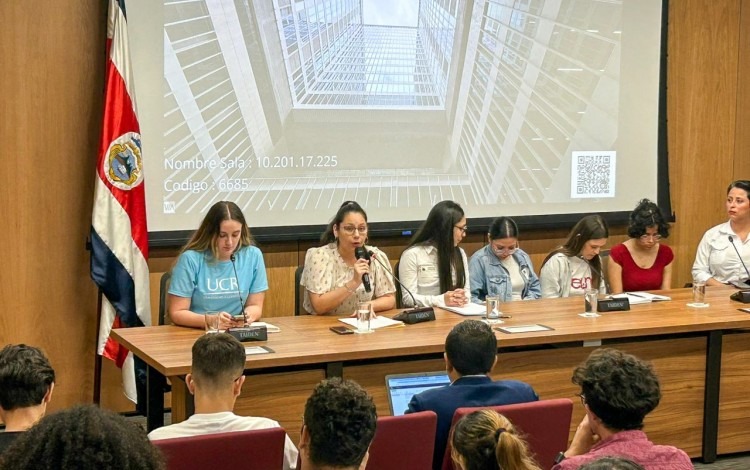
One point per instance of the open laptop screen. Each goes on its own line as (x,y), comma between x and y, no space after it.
(401,387)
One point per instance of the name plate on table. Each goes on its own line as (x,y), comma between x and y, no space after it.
(249,333)
(613,305)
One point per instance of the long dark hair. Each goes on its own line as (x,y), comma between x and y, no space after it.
(345,208)
(438,231)
(588,228)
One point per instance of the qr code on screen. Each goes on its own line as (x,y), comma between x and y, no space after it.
(593,174)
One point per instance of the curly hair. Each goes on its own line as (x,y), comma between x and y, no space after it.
(619,388)
(25,376)
(471,347)
(83,437)
(340,418)
(487,440)
(647,214)
(611,463)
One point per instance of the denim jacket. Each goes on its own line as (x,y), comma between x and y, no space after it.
(489,277)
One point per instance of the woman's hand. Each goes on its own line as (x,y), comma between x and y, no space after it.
(226,321)
(361,267)
(455,298)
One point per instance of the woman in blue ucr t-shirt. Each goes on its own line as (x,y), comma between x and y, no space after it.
(219,270)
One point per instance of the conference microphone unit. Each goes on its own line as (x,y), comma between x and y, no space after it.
(608,304)
(246,332)
(361,253)
(412,315)
(742,284)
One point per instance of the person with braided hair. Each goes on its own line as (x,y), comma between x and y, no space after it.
(487,440)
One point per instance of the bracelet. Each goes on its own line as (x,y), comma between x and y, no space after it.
(351,291)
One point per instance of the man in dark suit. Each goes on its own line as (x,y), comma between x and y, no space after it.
(470,355)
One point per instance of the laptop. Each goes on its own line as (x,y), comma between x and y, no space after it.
(401,387)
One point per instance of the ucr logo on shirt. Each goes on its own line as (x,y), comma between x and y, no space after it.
(228,283)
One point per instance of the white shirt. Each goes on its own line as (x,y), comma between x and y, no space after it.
(716,258)
(517,281)
(418,271)
(212,423)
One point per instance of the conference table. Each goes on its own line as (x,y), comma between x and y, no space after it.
(697,353)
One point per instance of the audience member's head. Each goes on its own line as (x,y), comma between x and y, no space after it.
(611,463)
(218,364)
(26,383)
(487,440)
(339,425)
(618,388)
(471,348)
(83,438)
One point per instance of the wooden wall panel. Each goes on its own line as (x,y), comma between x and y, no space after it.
(51,63)
(734,407)
(742,139)
(701,106)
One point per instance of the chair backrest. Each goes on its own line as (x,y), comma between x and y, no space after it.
(545,425)
(260,449)
(403,442)
(299,291)
(163,288)
(399,301)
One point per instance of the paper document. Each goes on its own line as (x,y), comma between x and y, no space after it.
(269,327)
(381,321)
(636,298)
(470,309)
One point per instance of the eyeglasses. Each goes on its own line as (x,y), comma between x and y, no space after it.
(583,398)
(655,237)
(350,229)
(498,250)
(463,229)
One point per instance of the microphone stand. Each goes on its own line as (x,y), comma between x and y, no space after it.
(412,315)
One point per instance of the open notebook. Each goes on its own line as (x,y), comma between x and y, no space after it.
(401,387)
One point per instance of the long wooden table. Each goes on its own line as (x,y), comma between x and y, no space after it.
(683,343)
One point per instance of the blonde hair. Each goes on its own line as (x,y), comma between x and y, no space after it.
(485,439)
(204,239)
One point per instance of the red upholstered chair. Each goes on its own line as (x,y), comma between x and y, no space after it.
(403,442)
(261,449)
(545,425)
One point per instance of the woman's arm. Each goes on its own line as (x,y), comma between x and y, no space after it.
(614,273)
(327,301)
(550,278)
(478,278)
(179,312)
(407,274)
(384,302)
(254,306)
(701,269)
(666,280)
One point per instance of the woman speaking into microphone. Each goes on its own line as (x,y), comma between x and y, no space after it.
(339,274)
(219,270)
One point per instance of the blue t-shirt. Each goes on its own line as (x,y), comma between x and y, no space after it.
(212,285)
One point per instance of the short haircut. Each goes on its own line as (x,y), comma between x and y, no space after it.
(218,359)
(340,418)
(25,376)
(611,463)
(619,388)
(647,214)
(471,347)
(84,438)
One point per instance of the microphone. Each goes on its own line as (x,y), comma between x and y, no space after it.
(247,332)
(361,253)
(415,314)
(239,294)
(740,281)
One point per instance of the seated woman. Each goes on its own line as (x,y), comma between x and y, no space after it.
(716,261)
(502,268)
(641,262)
(433,267)
(575,266)
(485,440)
(219,270)
(333,276)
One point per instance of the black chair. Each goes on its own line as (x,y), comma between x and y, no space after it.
(163,288)
(299,291)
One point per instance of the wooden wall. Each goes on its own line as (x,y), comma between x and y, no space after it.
(51,64)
